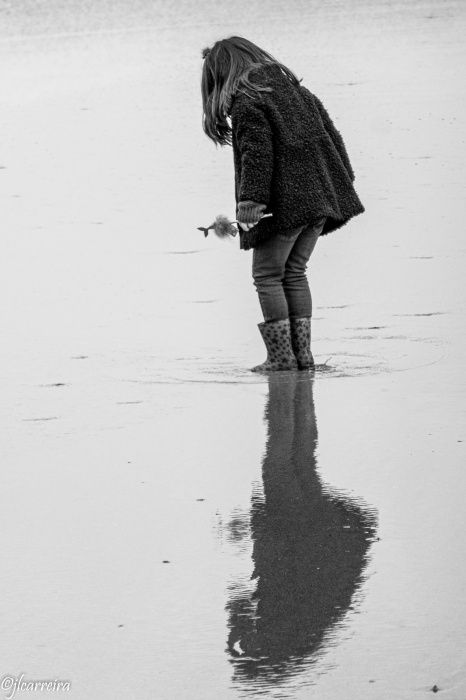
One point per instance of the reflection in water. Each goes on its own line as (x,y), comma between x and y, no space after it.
(309,548)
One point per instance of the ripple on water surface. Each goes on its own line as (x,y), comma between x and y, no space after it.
(357,355)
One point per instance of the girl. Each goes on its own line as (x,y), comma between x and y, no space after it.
(289,161)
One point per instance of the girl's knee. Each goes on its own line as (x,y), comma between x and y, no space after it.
(268,275)
(294,274)
(267,282)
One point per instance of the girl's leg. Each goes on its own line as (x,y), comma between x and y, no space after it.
(295,283)
(299,296)
(268,270)
(269,264)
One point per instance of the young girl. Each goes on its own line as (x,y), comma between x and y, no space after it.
(289,161)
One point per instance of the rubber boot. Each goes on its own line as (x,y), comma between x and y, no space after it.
(301,341)
(277,340)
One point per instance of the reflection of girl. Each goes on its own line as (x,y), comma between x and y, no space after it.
(289,161)
(309,548)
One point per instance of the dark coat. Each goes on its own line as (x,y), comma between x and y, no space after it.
(289,155)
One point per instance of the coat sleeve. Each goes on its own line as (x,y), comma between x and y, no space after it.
(253,139)
(335,135)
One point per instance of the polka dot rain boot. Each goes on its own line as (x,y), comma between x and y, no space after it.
(301,341)
(277,340)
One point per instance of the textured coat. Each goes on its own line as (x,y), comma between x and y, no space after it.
(289,155)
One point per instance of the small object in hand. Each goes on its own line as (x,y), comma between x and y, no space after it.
(222,227)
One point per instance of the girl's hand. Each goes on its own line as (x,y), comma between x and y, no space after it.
(246,227)
(249,214)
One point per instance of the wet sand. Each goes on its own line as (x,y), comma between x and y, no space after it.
(172,525)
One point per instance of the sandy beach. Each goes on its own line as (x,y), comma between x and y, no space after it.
(173,526)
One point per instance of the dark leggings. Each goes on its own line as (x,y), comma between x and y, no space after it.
(279,273)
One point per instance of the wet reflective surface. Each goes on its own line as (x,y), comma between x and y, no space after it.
(171,525)
(309,550)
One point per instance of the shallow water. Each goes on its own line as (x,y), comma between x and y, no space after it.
(174,526)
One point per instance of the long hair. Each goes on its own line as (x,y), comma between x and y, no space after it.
(225,72)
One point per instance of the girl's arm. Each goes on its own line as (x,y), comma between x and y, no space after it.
(335,135)
(252,135)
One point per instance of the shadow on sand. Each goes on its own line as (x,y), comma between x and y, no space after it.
(309,549)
